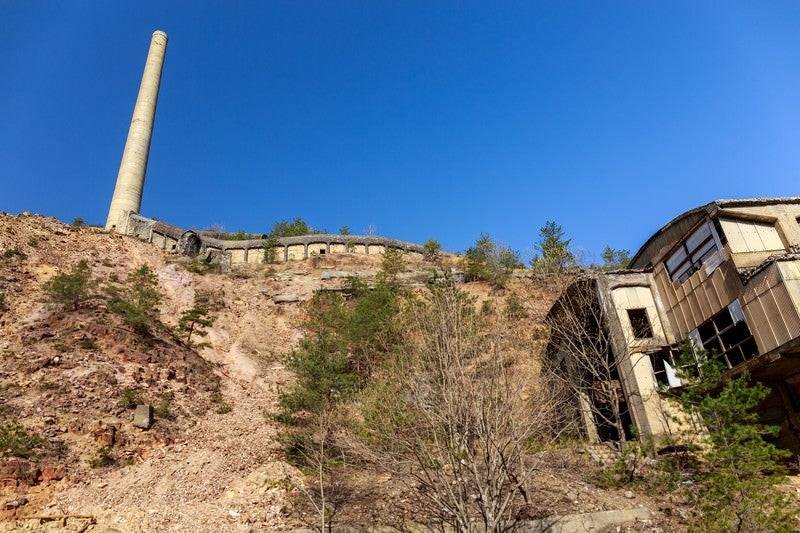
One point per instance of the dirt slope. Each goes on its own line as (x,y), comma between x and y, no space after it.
(211,460)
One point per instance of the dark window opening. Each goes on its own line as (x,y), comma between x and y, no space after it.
(604,395)
(322,251)
(692,253)
(640,324)
(727,335)
(668,368)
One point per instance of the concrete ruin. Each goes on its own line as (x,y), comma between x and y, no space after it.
(725,275)
(252,250)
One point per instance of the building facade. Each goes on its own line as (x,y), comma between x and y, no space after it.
(726,276)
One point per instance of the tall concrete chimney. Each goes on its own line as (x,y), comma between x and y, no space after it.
(130,180)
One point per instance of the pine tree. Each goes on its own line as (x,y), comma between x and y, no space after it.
(554,254)
(193,320)
(735,487)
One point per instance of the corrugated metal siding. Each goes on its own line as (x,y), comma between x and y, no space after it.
(771,306)
(691,303)
(786,315)
(750,236)
(790,272)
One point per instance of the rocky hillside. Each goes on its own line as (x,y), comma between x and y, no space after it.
(70,380)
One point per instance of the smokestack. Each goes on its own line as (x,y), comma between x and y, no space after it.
(130,180)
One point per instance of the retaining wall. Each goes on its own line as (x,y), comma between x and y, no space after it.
(251,251)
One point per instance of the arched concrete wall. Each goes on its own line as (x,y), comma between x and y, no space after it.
(237,256)
(255,256)
(251,251)
(295,252)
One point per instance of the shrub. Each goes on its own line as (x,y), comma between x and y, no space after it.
(17,442)
(514,308)
(78,222)
(431,250)
(615,259)
(489,261)
(73,288)
(16,251)
(392,264)
(344,341)
(137,301)
(87,344)
(102,458)
(130,398)
(295,228)
(270,252)
(198,266)
(554,255)
(162,410)
(735,485)
(222,406)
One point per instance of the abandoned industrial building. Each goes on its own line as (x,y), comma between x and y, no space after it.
(725,276)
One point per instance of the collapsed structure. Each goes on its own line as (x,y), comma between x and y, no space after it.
(726,276)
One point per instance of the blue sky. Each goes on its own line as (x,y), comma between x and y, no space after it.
(438,120)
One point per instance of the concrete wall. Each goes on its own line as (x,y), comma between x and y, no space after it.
(621,292)
(251,251)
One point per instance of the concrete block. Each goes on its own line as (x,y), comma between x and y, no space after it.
(143,416)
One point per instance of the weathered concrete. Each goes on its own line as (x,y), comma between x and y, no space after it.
(143,416)
(599,522)
(188,242)
(130,180)
(286,298)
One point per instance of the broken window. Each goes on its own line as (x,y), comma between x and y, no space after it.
(640,324)
(693,252)
(728,335)
(667,368)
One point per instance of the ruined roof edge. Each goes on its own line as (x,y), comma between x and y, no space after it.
(710,208)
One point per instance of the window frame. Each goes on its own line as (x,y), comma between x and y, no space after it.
(721,329)
(641,325)
(694,257)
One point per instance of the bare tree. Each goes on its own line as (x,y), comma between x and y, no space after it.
(325,489)
(581,358)
(459,423)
